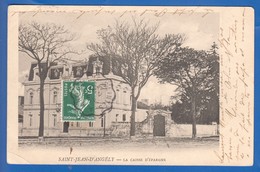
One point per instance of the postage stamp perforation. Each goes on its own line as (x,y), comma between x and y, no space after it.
(75,81)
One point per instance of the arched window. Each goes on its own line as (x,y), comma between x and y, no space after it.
(30,120)
(125,97)
(102,122)
(67,71)
(79,71)
(97,66)
(56,73)
(117,117)
(118,95)
(54,120)
(98,70)
(55,95)
(31,98)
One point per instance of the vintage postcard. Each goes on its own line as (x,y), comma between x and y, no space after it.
(129,85)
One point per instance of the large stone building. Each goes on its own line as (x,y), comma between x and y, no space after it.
(113,99)
(110,90)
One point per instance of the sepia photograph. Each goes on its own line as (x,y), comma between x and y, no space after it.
(130,86)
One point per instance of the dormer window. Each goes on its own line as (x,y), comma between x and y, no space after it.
(97,67)
(124,69)
(66,71)
(35,73)
(56,73)
(79,71)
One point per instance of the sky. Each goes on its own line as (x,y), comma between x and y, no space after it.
(200,33)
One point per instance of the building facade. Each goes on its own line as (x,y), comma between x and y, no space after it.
(113,99)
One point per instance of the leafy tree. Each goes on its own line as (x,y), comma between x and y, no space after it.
(180,113)
(135,49)
(196,75)
(46,44)
(210,113)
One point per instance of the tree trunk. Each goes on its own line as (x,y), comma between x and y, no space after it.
(133,109)
(193,113)
(104,125)
(41,126)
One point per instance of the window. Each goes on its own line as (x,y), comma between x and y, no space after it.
(56,73)
(117,117)
(124,97)
(79,71)
(90,124)
(38,95)
(71,124)
(21,101)
(77,124)
(31,98)
(124,118)
(98,70)
(54,120)
(102,122)
(30,120)
(97,66)
(66,71)
(55,95)
(118,96)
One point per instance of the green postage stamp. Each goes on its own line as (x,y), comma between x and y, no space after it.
(78,101)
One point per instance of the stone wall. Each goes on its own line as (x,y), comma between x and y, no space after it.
(119,129)
(185,130)
(145,128)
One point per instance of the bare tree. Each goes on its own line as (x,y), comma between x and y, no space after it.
(46,44)
(135,48)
